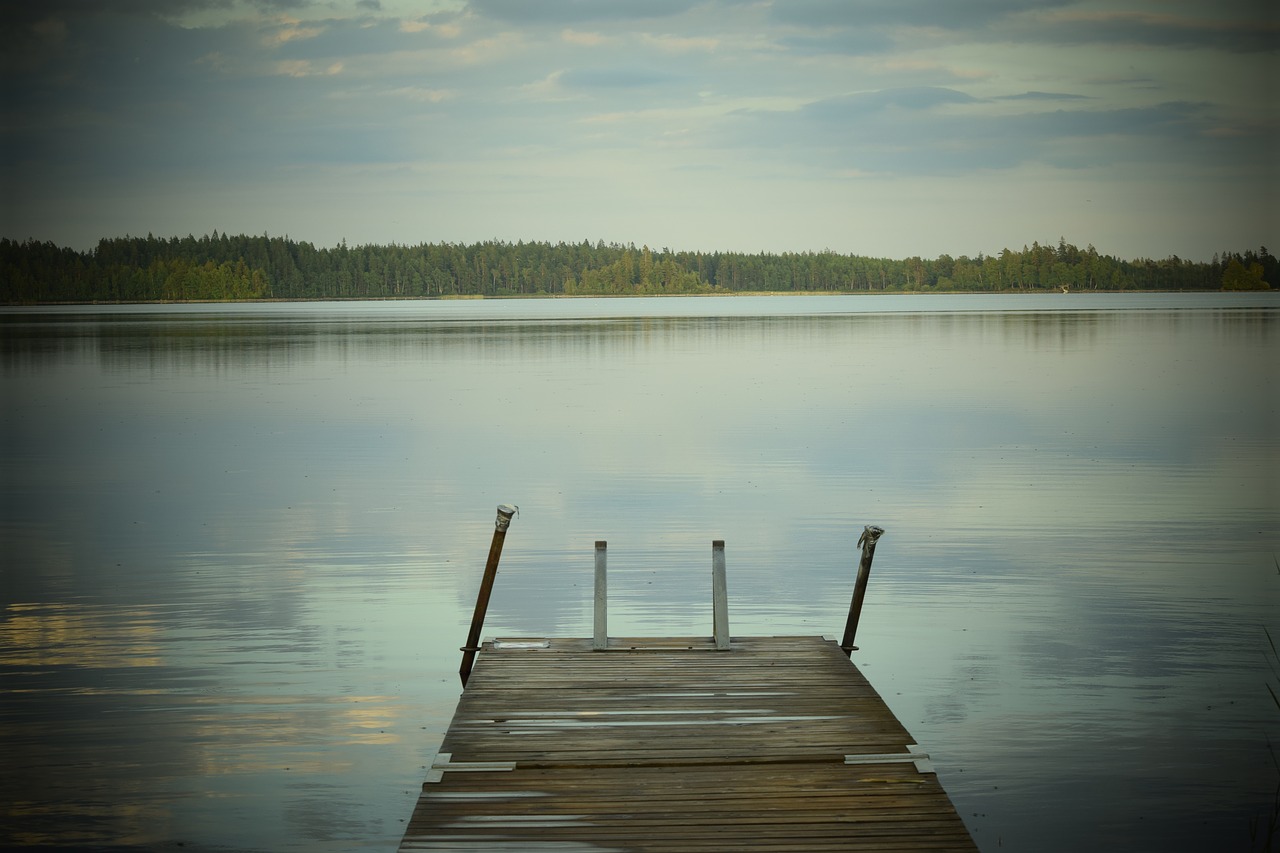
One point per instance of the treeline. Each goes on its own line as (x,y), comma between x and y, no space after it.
(221,266)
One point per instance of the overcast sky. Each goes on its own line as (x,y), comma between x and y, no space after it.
(876,127)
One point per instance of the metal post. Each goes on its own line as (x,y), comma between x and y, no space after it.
(600,636)
(719,596)
(486,587)
(870,534)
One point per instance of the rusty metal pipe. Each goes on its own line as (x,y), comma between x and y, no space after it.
(500,525)
(867,541)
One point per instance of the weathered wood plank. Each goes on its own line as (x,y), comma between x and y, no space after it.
(676,746)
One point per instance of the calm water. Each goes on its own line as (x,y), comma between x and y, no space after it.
(241,543)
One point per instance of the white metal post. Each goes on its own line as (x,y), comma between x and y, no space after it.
(600,638)
(719,596)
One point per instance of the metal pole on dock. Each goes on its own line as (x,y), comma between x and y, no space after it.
(500,526)
(600,624)
(719,596)
(867,541)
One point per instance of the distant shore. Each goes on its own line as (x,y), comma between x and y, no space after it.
(240,268)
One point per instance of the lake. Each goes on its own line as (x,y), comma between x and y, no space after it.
(241,543)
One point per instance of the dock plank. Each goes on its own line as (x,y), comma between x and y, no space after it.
(668,744)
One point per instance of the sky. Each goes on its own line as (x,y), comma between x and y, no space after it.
(888,128)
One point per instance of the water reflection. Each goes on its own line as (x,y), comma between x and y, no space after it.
(132,725)
(97,637)
(241,546)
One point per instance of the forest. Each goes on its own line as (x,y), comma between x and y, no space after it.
(225,267)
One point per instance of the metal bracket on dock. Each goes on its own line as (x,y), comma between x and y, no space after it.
(443,761)
(912,755)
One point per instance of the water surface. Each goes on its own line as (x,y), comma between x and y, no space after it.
(241,543)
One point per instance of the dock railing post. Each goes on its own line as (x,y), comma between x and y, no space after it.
(719,596)
(500,525)
(867,541)
(600,635)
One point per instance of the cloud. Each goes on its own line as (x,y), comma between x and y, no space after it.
(617,78)
(345,39)
(1041,96)
(906,98)
(562,12)
(423,95)
(583,39)
(19,12)
(938,131)
(446,29)
(826,14)
(679,44)
(844,27)
(303,68)
(1076,27)
(541,100)
(290,30)
(839,41)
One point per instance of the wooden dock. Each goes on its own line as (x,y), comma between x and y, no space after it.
(657,744)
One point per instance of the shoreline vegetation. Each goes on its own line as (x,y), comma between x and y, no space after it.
(222,268)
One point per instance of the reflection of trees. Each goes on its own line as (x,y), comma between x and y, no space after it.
(228,342)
